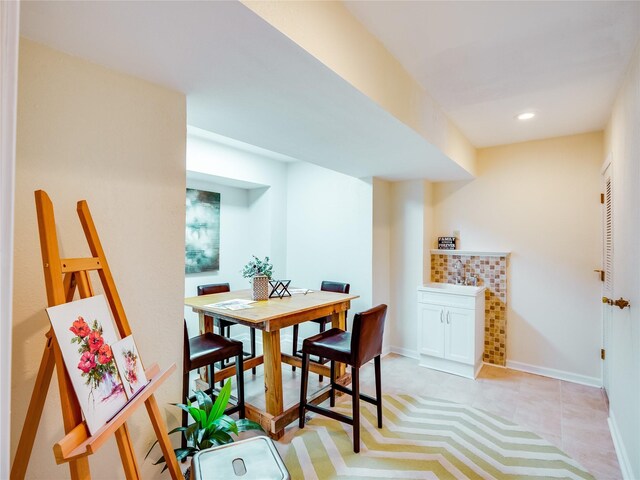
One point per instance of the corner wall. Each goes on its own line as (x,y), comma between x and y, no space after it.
(381,252)
(622,142)
(86,132)
(411,220)
(539,200)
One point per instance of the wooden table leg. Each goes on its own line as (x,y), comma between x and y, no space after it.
(339,320)
(273,376)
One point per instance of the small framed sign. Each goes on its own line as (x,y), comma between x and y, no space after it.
(447,243)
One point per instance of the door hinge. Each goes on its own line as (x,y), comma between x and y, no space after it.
(602,198)
(602,354)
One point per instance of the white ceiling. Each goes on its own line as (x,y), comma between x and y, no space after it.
(243,79)
(485,62)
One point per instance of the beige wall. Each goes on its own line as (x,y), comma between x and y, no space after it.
(539,200)
(85,132)
(411,225)
(329,32)
(622,143)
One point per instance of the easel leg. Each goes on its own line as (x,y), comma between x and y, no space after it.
(129,463)
(79,468)
(163,438)
(36,405)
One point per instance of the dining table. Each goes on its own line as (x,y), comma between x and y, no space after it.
(271,316)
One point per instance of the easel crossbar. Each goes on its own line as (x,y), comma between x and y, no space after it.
(70,265)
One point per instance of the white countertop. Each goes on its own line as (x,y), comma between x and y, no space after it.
(450,288)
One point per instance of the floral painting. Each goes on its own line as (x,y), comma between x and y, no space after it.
(129,365)
(86,334)
(202,235)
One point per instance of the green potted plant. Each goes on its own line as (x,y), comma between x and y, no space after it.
(260,272)
(211,427)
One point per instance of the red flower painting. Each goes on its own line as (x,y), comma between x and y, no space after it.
(96,358)
(80,328)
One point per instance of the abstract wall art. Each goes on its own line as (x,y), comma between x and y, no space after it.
(202,231)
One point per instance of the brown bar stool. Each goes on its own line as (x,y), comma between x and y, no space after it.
(355,349)
(327,286)
(204,351)
(224,324)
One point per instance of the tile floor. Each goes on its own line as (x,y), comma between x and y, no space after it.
(573,417)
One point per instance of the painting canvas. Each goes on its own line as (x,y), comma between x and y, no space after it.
(86,332)
(202,231)
(129,365)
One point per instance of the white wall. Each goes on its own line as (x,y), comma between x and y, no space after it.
(254,169)
(539,200)
(9,26)
(381,273)
(86,132)
(410,226)
(329,219)
(623,143)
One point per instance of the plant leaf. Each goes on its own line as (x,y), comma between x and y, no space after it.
(221,437)
(221,403)
(204,403)
(244,425)
(226,423)
(196,414)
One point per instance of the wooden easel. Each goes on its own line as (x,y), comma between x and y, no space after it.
(62,277)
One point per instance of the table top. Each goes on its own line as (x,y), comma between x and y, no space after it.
(274,313)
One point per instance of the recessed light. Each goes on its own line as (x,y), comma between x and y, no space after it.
(526,116)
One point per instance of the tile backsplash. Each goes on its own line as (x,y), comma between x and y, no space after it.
(492,273)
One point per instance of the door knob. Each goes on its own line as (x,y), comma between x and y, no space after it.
(621,302)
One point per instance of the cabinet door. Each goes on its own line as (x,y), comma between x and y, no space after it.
(431,330)
(459,334)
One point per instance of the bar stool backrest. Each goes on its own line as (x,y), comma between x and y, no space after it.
(337,287)
(366,336)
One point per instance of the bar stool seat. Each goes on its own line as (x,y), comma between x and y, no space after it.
(354,349)
(224,326)
(206,350)
(335,343)
(326,286)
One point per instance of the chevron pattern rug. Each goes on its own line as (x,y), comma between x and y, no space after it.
(425,438)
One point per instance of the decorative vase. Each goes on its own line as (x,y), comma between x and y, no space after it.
(260,285)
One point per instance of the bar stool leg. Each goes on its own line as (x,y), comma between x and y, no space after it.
(221,329)
(321,360)
(240,383)
(332,392)
(185,394)
(303,387)
(294,349)
(355,380)
(253,347)
(376,363)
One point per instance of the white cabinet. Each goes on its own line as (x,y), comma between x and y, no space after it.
(451,328)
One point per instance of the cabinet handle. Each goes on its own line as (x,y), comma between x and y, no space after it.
(447,317)
(441,314)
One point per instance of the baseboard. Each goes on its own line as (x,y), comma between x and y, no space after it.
(553,373)
(621,452)
(405,352)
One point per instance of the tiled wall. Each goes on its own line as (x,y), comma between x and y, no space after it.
(492,273)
